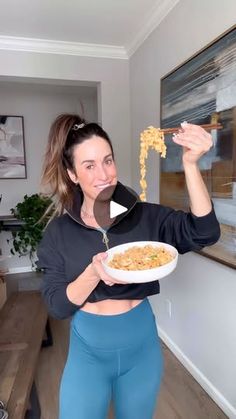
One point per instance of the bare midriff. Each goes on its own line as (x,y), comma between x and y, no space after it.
(110,307)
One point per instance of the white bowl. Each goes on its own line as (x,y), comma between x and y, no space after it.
(145,275)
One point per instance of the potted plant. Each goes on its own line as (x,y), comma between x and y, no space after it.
(34,212)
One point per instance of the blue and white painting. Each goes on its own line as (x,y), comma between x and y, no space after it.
(201,91)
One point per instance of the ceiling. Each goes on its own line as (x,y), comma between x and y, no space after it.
(112,23)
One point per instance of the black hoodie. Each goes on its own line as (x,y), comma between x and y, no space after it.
(68,246)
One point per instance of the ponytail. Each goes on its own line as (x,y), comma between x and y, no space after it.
(54,172)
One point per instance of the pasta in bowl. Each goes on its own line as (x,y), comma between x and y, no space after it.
(141,261)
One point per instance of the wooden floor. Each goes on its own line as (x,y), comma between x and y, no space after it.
(181,397)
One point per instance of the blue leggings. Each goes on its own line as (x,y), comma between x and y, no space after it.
(112,357)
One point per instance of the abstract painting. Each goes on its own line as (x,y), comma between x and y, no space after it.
(200,91)
(12,147)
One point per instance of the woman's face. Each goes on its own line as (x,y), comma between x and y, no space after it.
(95,168)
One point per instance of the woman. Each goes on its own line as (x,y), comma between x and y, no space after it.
(114,351)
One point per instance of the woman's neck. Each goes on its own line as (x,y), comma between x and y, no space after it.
(92,209)
(96,214)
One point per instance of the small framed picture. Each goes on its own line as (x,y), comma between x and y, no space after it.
(12,147)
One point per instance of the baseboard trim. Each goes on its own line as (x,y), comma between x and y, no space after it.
(218,398)
(19,270)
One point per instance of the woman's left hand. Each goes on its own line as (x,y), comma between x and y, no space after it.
(98,268)
(194,140)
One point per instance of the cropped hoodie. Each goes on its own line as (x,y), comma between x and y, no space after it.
(68,245)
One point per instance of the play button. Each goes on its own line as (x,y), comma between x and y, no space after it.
(108,209)
(116,209)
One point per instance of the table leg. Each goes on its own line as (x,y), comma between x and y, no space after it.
(34,412)
(49,340)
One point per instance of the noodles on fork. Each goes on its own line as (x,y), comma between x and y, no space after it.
(150,138)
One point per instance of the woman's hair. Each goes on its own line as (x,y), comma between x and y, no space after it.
(67,131)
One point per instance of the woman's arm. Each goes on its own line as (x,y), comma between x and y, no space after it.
(79,290)
(62,296)
(200,202)
(198,228)
(195,142)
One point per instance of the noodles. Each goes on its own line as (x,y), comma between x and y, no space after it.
(150,138)
(139,258)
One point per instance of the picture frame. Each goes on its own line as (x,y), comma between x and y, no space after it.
(12,147)
(202,90)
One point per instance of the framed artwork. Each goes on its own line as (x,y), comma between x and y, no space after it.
(203,90)
(12,147)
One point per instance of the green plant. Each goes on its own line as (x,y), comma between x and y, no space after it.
(30,211)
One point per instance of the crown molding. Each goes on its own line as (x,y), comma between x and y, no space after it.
(158,13)
(45,46)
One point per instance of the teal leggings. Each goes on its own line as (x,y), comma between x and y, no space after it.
(112,357)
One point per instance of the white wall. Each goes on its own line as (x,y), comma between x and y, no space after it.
(202,329)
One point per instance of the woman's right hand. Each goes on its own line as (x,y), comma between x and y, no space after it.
(98,271)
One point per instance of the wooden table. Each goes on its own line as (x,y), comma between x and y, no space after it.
(23,319)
